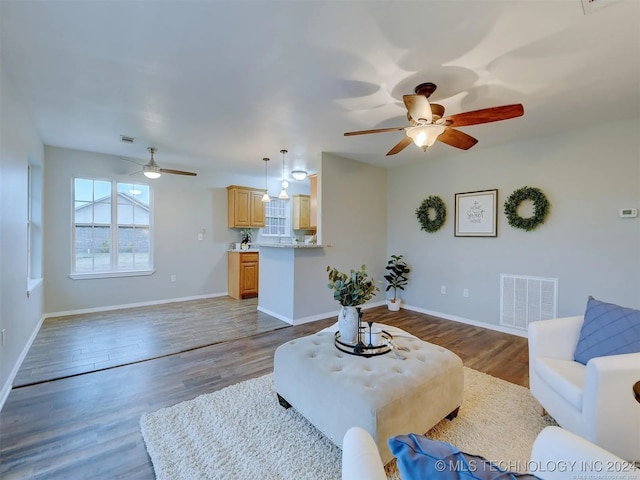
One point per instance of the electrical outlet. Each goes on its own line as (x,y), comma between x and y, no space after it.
(443,289)
(174,278)
(465,292)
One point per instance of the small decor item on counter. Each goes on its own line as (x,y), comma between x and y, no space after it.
(245,238)
(396,278)
(350,290)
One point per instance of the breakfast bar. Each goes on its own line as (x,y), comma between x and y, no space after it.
(288,276)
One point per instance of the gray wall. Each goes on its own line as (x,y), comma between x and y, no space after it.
(586,175)
(353,219)
(19,315)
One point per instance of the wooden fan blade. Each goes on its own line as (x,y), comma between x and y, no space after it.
(418,107)
(377,130)
(401,145)
(486,115)
(177,172)
(457,139)
(437,110)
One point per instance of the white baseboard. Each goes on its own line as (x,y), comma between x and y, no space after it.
(6,388)
(315,318)
(475,323)
(132,305)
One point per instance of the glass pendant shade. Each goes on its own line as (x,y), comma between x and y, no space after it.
(299,174)
(283,194)
(266,198)
(425,135)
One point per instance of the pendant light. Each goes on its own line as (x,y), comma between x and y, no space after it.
(266,198)
(283,194)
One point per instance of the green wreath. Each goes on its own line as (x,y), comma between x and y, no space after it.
(540,204)
(422,212)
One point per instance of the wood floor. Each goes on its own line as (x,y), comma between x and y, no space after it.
(86,425)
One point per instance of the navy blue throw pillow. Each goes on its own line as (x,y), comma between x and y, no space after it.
(419,458)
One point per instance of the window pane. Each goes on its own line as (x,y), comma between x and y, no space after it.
(93,251)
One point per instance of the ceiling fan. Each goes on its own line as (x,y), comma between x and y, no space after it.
(152,169)
(428,123)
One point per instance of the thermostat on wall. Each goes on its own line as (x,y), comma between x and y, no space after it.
(628,212)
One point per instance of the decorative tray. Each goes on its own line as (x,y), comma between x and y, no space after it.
(360,348)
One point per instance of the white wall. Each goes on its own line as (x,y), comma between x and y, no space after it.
(587,177)
(19,315)
(183,207)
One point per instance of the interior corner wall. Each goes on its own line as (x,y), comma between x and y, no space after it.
(20,315)
(353,217)
(587,176)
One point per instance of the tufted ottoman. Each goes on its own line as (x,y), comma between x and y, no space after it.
(396,393)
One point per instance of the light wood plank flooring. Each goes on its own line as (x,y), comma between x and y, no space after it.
(86,426)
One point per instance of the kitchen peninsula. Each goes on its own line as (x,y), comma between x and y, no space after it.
(287,270)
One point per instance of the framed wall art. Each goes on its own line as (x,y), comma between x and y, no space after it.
(476,214)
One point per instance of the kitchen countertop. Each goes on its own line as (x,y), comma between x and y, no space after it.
(239,250)
(293,245)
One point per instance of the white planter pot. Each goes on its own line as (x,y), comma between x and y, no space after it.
(348,324)
(394,306)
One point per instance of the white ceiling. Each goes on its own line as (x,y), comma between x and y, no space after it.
(221,84)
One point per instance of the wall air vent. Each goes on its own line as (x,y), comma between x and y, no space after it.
(126,139)
(527,299)
(590,6)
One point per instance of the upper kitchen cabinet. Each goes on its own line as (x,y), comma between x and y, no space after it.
(245,207)
(301,215)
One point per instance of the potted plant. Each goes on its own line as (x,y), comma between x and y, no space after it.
(350,290)
(396,278)
(245,238)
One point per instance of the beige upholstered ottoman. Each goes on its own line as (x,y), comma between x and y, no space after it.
(396,393)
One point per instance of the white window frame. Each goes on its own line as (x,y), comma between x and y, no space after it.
(287,217)
(114,271)
(34,232)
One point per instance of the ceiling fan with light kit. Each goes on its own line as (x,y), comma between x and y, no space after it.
(427,122)
(152,169)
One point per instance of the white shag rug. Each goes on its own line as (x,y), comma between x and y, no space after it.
(242,432)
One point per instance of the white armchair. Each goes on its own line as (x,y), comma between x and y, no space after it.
(595,401)
(556,455)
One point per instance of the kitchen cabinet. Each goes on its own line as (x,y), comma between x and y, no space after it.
(243,274)
(245,207)
(301,215)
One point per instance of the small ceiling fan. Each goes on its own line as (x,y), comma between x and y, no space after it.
(428,123)
(152,169)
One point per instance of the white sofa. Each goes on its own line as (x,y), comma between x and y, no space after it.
(594,401)
(561,454)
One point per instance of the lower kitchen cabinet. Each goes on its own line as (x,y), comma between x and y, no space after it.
(243,274)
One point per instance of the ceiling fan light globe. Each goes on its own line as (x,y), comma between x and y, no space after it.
(151,174)
(299,174)
(425,135)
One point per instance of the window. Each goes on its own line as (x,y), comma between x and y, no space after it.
(112,228)
(277,218)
